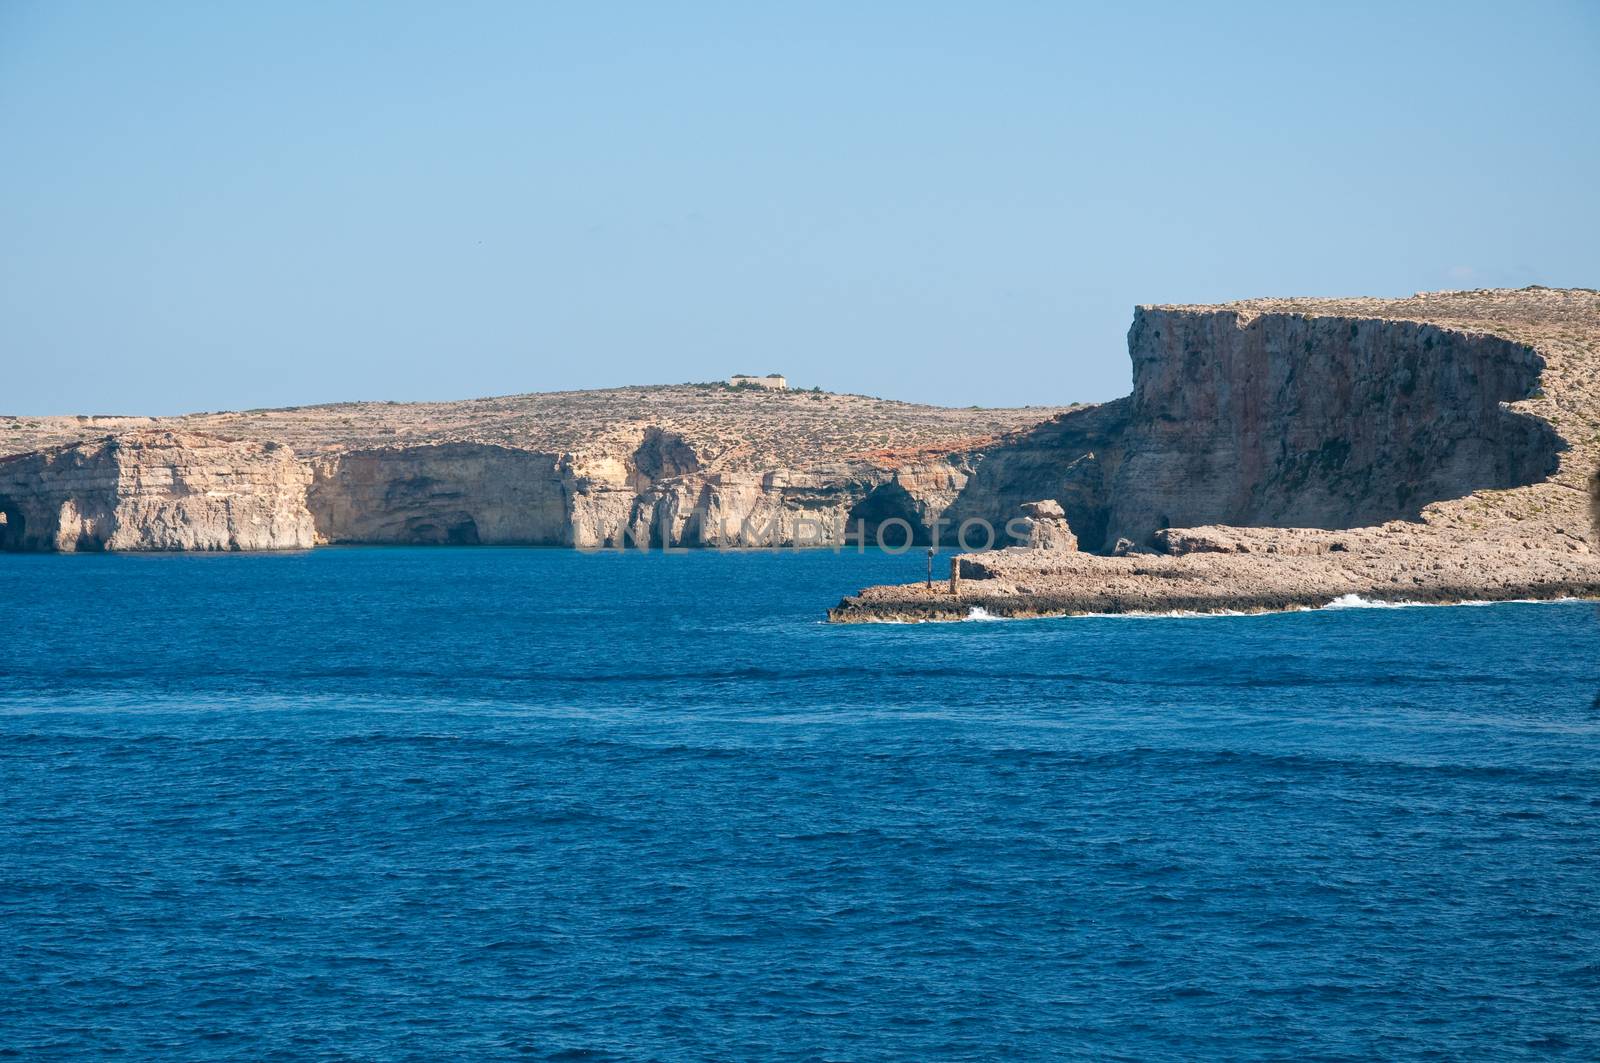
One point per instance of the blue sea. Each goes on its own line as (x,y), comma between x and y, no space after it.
(453,804)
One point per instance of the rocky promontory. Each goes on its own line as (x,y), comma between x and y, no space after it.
(1287,453)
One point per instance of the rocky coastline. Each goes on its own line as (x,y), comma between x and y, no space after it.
(675,466)
(1281,454)
(1273,454)
(1386,565)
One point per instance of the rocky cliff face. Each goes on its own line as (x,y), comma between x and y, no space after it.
(648,491)
(1071,459)
(689,465)
(1309,413)
(170,491)
(155,491)
(1317,421)
(453,493)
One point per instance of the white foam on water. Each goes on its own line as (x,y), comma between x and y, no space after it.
(1181,614)
(888,620)
(1355,601)
(979,614)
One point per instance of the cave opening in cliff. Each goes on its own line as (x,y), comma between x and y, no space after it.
(888,517)
(446,530)
(13,525)
(462,533)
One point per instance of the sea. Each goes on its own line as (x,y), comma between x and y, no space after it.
(481,803)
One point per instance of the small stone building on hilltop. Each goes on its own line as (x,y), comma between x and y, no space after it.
(772,381)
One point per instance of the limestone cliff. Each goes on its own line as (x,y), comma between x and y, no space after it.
(1313,413)
(651,491)
(1318,419)
(455,493)
(155,490)
(677,466)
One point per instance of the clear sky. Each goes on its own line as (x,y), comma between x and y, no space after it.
(209,206)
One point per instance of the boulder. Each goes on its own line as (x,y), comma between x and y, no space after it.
(1046,528)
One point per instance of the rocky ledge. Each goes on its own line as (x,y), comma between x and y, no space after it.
(1261,570)
(1286,453)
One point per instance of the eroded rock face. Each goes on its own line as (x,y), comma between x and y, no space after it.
(1069,459)
(155,491)
(679,465)
(1318,414)
(643,489)
(1330,422)
(910,503)
(1220,539)
(454,493)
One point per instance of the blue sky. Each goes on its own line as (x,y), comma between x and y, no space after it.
(209,206)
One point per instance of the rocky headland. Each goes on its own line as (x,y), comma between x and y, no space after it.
(1285,453)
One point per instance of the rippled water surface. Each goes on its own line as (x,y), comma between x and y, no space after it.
(472,804)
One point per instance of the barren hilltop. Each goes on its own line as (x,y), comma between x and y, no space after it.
(730,428)
(1287,452)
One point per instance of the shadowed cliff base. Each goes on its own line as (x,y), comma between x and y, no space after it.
(13,525)
(891,515)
